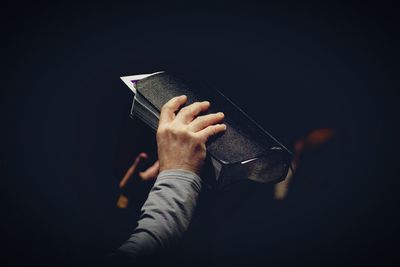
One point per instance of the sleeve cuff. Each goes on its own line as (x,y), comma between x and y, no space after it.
(181,174)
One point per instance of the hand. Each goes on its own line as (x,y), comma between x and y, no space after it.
(182,137)
(148,175)
(132,169)
(312,141)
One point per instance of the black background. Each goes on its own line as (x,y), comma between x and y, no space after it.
(67,139)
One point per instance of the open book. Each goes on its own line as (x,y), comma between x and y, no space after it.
(244,151)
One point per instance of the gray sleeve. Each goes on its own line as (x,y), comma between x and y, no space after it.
(166,214)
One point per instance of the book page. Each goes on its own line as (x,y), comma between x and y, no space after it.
(132,79)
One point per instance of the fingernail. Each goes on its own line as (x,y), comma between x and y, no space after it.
(221,114)
(224,126)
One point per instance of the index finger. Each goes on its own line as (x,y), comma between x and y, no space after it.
(132,169)
(169,108)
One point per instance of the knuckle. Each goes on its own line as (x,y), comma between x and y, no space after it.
(170,128)
(175,131)
(185,132)
(196,138)
(197,104)
(164,107)
(213,130)
(178,131)
(185,109)
(173,99)
(203,121)
(193,107)
(161,130)
(188,109)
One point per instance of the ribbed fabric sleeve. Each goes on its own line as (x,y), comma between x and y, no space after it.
(166,214)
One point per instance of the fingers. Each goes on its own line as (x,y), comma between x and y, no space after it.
(187,114)
(151,173)
(202,122)
(169,108)
(132,169)
(211,130)
(204,126)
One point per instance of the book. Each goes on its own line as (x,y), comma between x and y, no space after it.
(244,151)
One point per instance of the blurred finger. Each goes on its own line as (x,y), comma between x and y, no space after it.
(318,136)
(151,173)
(281,189)
(129,173)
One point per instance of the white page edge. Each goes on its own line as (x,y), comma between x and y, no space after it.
(128,79)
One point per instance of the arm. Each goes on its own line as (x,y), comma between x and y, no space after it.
(166,214)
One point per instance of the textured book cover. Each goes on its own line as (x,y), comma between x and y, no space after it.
(244,151)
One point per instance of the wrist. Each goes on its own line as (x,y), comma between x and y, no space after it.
(180,167)
(180,174)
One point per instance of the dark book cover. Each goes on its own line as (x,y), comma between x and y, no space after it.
(244,151)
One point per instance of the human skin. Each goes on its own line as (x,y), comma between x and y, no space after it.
(182,134)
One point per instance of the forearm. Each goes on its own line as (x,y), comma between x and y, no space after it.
(166,213)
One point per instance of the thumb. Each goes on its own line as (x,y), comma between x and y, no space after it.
(132,169)
(151,173)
